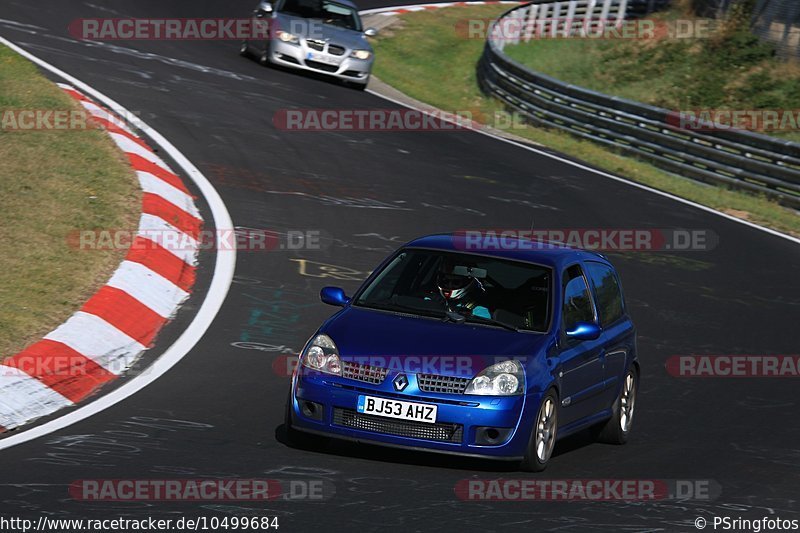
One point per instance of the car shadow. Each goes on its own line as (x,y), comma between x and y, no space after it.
(377,453)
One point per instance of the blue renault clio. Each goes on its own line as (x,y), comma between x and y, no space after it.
(476,347)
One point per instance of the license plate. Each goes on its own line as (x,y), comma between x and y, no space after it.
(322,58)
(420,412)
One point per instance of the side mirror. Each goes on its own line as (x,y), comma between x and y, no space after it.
(584,331)
(333,296)
(370,32)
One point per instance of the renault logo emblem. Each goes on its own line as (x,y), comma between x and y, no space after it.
(400,382)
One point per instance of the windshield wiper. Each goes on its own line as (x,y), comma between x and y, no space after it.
(392,306)
(494,322)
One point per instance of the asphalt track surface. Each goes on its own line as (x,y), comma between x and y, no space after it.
(218,412)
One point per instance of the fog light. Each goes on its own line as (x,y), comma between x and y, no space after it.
(490,436)
(311,410)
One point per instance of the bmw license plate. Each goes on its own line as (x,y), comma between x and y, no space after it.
(420,412)
(322,58)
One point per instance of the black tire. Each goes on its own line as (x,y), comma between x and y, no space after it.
(618,427)
(362,86)
(263,58)
(540,450)
(244,49)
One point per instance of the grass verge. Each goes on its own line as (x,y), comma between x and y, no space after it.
(718,65)
(427,57)
(51,184)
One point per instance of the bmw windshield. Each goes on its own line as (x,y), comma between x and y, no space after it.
(463,287)
(331,13)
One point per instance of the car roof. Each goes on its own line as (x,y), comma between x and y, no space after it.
(546,253)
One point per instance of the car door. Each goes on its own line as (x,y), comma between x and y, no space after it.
(581,361)
(618,331)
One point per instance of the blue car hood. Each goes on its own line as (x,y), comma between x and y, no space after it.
(366,336)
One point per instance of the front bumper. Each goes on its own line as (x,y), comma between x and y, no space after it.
(297,56)
(461,419)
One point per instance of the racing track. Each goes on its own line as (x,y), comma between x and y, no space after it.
(217,413)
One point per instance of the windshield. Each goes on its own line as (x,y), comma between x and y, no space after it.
(331,13)
(483,290)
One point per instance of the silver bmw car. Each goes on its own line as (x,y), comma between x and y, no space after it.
(323,36)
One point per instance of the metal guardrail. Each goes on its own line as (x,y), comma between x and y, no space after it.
(738,159)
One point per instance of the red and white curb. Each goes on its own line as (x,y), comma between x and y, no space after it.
(114,327)
(399,10)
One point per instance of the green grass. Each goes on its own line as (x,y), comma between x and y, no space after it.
(427,58)
(52,183)
(727,69)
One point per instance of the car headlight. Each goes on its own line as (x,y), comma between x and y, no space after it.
(502,379)
(361,54)
(322,355)
(287,37)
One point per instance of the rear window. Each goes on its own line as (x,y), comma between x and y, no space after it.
(607,292)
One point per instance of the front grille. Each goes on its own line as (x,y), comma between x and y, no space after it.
(446,384)
(366,373)
(441,431)
(315,44)
(321,66)
(335,50)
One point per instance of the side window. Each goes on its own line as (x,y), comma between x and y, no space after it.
(577,300)
(607,292)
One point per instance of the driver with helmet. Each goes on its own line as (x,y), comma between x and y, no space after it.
(461,293)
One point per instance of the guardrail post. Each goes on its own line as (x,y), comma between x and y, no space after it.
(520,29)
(588,18)
(623,7)
(533,11)
(556,15)
(604,13)
(541,21)
(570,17)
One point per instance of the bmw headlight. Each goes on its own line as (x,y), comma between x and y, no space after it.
(361,54)
(287,37)
(322,355)
(502,379)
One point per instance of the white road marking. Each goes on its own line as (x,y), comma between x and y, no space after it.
(224,267)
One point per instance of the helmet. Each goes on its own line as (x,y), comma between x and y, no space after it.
(454,286)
